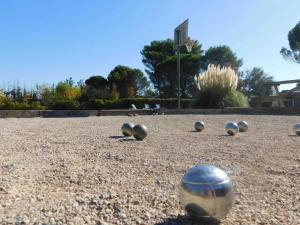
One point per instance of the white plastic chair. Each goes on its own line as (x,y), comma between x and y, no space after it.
(133,107)
(146,107)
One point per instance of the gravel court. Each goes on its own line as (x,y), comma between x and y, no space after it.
(82,171)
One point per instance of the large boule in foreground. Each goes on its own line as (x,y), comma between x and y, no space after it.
(297,129)
(231,128)
(127,129)
(206,192)
(140,131)
(243,126)
(199,126)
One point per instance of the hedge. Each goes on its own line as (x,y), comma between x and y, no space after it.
(65,104)
(97,104)
(214,99)
(138,102)
(10,105)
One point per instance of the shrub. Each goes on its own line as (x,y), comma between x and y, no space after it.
(88,93)
(9,104)
(65,104)
(217,88)
(208,99)
(138,102)
(216,78)
(13,105)
(65,91)
(236,99)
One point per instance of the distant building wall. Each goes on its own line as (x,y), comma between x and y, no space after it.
(297,102)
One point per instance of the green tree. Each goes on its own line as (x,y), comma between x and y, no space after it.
(190,66)
(96,88)
(161,63)
(44,93)
(81,83)
(252,82)
(293,53)
(221,55)
(60,96)
(96,82)
(65,91)
(128,82)
(153,55)
(69,81)
(149,93)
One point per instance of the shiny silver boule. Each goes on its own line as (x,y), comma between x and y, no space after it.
(127,129)
(231,128)
(297,129)
(199,126)
(140,132)
(243,126)
(206,192)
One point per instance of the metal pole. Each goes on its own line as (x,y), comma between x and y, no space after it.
(178,71)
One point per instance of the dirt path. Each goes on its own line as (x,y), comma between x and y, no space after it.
(81,171)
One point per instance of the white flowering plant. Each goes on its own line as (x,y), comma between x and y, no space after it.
(216,77)
(217,85)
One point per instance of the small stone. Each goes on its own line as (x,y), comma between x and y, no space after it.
(52,221)
(147,215)
(104,195)
(135,202)
(78,221)
(122,215)
(79,199)
(101,223)
(25,220)
(39,198)
(138,221)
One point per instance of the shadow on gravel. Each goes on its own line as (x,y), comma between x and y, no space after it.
(127,139)
(117,137)
(122,138)
(63,113)
(185,220)
(293,135)
(194,131)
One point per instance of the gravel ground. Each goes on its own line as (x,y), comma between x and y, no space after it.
(82,171)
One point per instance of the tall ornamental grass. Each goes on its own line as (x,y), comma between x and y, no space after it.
(217,78)
(217,88)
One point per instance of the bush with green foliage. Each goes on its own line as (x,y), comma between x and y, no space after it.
(217,88)
(218,99)
(138,102)
(63,96)
(65,104)
(7,104)
(235,99)
(65,91)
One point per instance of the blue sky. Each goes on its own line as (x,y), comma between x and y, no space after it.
(48,41)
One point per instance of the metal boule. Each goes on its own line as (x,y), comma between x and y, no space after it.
(127,129)
(199,126)
(206,192)
(231,128)
(140,132)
